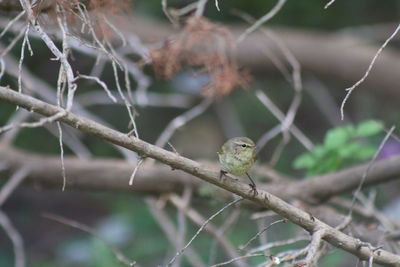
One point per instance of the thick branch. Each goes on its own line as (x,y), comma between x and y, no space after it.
(335,56)
(113,174)
(95,174)
(263,198)
(323,187)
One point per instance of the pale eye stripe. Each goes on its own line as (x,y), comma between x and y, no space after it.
(247,145)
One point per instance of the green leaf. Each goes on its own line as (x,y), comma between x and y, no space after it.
(349,150)
(331,163)
(365,152)
(351,130)
(319,151)
(336,137)
(369,128)
(304,161)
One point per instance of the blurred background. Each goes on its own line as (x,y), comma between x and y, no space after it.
(330,49)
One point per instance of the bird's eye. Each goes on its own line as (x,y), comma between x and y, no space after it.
(244,145)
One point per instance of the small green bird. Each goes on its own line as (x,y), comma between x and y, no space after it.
(237,157)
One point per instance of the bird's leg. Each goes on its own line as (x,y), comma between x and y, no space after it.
(222,173)
(252,185)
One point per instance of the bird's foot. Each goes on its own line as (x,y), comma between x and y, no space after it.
(253,189)
(222,174)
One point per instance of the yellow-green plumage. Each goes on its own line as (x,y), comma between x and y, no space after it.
(237,156)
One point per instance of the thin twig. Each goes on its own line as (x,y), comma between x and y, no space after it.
(128,105)
(278,244)
(138,164)
(11,22)
(13,183)
(53,48)
(217,5)
(198,219)
(22,55)
(115,29)
(201,4)
(260,232)
(351,89)
(314,247)
(182,222)
(60,142)
(370,164)
(101,83)
(329,4)
(85,228)
(170,231)
(261,21)
(181,120)
(164,6)
(264,99)
(16,240)
(11,45)
(201,229)
(36,124)
(238,258)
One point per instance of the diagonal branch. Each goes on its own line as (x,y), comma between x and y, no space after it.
(263,198)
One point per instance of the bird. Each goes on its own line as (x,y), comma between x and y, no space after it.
(237,156)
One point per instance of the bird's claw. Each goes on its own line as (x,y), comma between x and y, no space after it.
(253,189)
(222,174)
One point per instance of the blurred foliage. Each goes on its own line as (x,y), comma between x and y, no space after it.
(305,14)
(343,146)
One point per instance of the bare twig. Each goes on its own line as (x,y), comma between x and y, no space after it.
(351,89)
(198,219)
(201,4)
(228,222)
(217,5)
(171,232)
(115,29)
(11,22)
(239,258)
(370,164)
(314,247)
(181,218)
(77,225)
(2,68)
(260,232)
(287,255)
(37,124)
(138,164)
(13,183)
(128,105)
(323,99)
(69,75)
(164,6)
(14,41)
(16,240)
(202,227)
(22,55)
(181,120)
(278,244)
(261,21)
(60,142)
(387,223)
(329,4)
(280,116)
(101,83)
(296,80)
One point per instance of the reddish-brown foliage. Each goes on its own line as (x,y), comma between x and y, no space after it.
(98,10)
(209,48)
